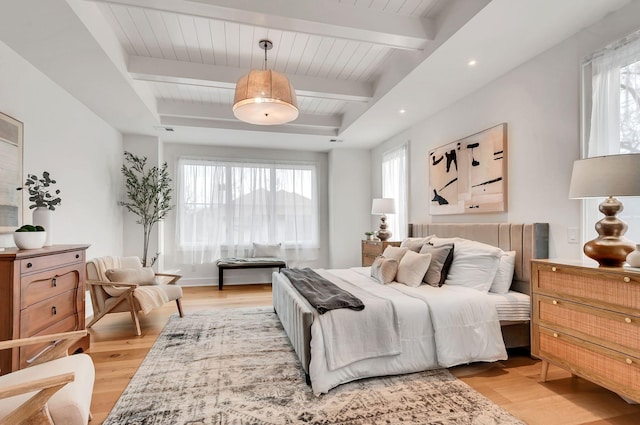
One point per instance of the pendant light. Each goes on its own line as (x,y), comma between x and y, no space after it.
(265,97)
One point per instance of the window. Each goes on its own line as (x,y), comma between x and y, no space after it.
(394,185)
(613,117)
(224,206)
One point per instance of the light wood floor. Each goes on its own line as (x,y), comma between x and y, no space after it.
(513,384)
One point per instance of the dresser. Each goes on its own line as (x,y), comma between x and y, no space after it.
(42,292)
(586,319)
(371,249)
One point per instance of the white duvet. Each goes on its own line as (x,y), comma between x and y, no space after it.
(438,327)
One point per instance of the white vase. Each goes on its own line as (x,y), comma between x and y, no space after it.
(43,216)
(633,259)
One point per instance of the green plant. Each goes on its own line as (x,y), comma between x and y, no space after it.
(30,228)
(149,196)
(39,193)
(369,233)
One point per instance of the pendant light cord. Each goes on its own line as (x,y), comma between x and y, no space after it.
(265,57)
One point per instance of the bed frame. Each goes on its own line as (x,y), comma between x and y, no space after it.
(530,241)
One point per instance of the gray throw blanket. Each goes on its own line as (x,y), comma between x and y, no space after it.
(322,294)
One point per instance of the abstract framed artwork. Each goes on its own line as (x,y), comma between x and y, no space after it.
(11,137)
(469,176)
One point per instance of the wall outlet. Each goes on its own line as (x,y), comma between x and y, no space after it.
(572,235)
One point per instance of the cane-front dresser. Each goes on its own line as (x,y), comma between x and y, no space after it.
(42,291)
(586,319)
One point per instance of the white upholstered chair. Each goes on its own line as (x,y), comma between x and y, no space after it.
(54,389)
(116,285)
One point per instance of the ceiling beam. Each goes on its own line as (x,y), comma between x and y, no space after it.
(170,71)
(311,17)
(208,111)
(290,128)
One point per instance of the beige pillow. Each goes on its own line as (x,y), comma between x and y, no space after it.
(412,268)
(267,250)
(394,252)
(139,275)
(415,244)
(441,259)
(384,269)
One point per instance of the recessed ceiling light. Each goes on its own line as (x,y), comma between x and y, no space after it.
(402,111)
(472,62)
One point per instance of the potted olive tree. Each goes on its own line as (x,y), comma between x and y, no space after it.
(148,196)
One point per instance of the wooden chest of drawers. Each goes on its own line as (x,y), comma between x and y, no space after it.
(42,292)
(371,249)
(586,319)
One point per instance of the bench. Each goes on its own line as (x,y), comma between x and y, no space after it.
(248,263)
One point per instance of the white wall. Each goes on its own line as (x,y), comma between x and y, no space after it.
(80,151)
(349,205)
(206,274)
(540,102)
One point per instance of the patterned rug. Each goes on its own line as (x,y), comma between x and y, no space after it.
(236,366)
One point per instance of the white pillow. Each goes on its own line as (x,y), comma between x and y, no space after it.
(504,274)
(415,244)
(467,246)
(267,250)
(394,252)
(412,268)
(474,264)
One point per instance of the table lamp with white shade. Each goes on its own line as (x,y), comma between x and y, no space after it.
(382,207)
(607,176)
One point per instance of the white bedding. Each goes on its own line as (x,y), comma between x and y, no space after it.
(439,327)
(512,306)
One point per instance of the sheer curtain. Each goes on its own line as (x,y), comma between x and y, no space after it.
(394,185)
(615,119)
(223,207)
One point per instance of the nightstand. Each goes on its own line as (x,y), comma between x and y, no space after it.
(371,249)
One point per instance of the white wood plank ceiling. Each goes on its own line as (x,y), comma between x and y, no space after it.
(191,53)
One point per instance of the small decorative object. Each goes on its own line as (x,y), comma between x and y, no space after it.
(370,235)
(29,237)
(633,259)
(43,202)
(382,207)
(149,196)
(607,176)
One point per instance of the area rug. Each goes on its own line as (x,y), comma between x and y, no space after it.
(236,366)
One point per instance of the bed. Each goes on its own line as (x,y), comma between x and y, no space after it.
(419,346)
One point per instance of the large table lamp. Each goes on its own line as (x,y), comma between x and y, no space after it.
(382,207)
(607,176)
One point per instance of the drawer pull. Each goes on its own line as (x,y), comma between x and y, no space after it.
(29,265)
(555,335)
(54,310)
(629,361)
(77,256)
(627,279)
(555,302)
(553,269)
(54,282)
(627,320)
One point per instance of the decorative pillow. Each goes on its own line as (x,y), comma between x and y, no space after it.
(414,244)
(504,274)
(384,269)
(412,268)
(140,275)
(395,252)
(441,258)
(267,250)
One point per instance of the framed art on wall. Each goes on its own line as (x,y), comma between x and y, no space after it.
(11,137)
(470,175)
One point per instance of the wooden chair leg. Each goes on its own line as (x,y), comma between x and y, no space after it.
(134,314)
(179,304)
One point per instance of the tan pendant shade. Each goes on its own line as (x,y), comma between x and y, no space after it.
(265,98)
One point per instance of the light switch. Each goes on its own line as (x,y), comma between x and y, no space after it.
(572,235)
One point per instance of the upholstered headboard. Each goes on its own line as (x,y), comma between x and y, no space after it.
(529,241)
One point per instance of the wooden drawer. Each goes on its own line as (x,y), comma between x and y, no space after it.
(50,283)
(68,324)
(371,248)
(35,264)
(46,313)
(608,289)
(611,369)
(605,327)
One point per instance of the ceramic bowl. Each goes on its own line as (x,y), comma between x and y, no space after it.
(29,240)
